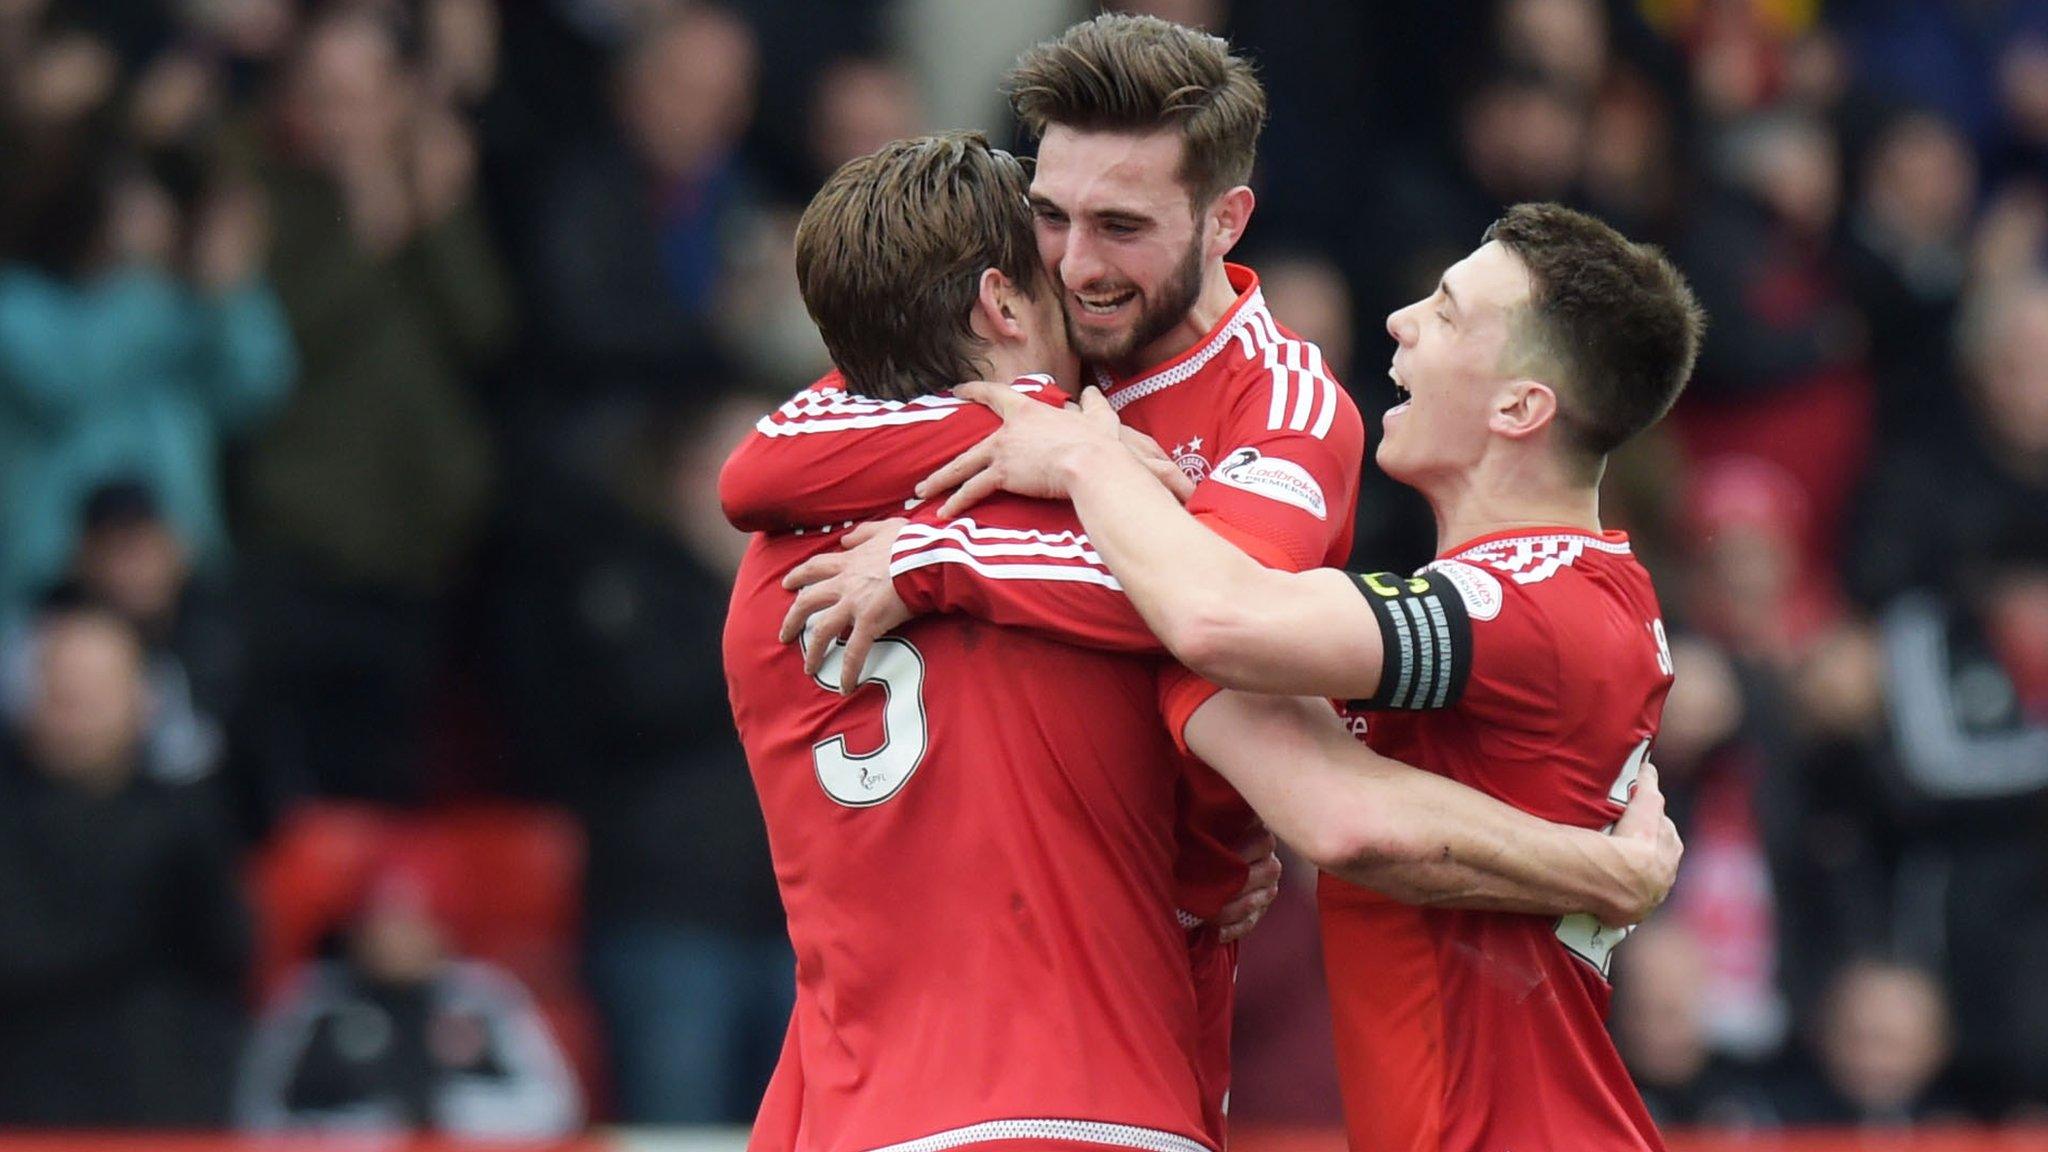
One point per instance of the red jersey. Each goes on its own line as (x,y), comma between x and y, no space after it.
(1251,412)
(979,891)
(1483,1031)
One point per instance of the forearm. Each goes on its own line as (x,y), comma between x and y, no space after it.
(1230,619)
(1176,572)
(1491,856)
(1418,837)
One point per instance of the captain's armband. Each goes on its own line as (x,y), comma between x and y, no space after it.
(1425,640)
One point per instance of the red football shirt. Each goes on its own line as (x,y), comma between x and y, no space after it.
(979,890)
(1469,1031)
(1250,411)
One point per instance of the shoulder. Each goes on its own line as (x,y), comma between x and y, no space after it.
(1543,557)
(1284,383)
(827,406)
(1529,595)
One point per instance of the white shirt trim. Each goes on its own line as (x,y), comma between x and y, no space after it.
(1598,543)
(1253,309)
(1078,1131)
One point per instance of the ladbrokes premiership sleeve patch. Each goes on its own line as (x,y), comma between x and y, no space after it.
(1425,639)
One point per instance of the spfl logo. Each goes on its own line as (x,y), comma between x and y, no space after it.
(1273,478)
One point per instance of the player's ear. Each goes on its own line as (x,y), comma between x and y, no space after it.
(1225,221)
(1522,408)
(1000,310)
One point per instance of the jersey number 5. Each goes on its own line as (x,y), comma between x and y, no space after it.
(1585,936)
(866,779)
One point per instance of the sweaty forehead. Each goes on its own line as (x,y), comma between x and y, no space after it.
(1089,171)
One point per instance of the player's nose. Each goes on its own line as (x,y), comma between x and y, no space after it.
(1079,264)
(1401,325)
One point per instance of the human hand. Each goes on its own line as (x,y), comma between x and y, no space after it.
(846,593)
(1156,461)
(1649,841)
(1026,455)
(1261,888)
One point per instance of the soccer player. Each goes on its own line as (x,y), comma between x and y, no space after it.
(1528,661)
(979,882)
(1147,135)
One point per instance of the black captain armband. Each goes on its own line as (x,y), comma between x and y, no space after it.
(1425,640)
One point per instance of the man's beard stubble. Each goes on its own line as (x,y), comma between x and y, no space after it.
(1175,300)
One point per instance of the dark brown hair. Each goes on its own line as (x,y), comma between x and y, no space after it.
(1611,321)
(890,252)
(1140,74)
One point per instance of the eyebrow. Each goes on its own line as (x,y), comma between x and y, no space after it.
(1040,200)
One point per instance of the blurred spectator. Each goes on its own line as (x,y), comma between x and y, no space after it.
(366,493)
(396,1035)
(1520,136)
(1314,295)
(1743,52)
(1882,1045)
(1979,65)
(1782,377)
(1394,525)
(1966,693)
(131,345)
(131,562)
(1717,747)
(959,48)
(123,937)
(1563,40)
(858,105)
(1753,583)
(1634,163)
(1660,996)
(1907,256)
(633,239)
(628,583)
(1937,501)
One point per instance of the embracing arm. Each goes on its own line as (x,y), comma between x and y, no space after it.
(1219,611)
(1227,617)
(1422,838)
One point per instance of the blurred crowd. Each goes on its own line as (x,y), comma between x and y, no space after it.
(365,371)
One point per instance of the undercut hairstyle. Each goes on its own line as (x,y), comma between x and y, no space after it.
(890,252)
(1119,73)
(1611,324)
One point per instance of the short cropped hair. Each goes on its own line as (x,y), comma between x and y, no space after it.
(1140,74)
(1612,322)
(890,252)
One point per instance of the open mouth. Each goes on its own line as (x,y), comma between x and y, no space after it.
(1394,375)
(1104,304)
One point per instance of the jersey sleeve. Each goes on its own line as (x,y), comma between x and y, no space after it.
(1284,488)
(827,456)
(1181,694)
(1020,563)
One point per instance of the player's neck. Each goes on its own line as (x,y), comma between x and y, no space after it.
(1006,362)
(1505,494)
(1211,304)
